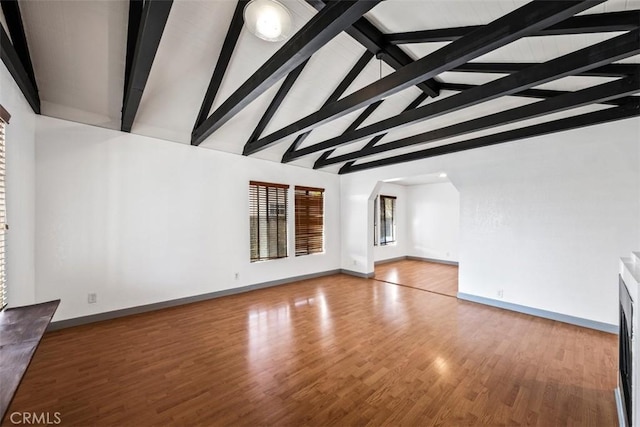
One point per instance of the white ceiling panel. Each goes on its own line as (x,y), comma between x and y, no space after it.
(393,16)
(182,68)
(78,54)
(612,6)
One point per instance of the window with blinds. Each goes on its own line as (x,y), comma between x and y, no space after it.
(4,119)
(387,219)
(268,220)
(309,220)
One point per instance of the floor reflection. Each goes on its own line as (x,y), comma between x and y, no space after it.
(270,332)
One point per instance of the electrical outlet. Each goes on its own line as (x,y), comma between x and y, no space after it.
(237,276)
(92,298)
(500,293)
(355,262)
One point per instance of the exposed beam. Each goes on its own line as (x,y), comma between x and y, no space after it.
(228,46)
(337,93)
(353,126)
(154,18)
(16,69)
(533,93)
(135,15)
(321,161)
(529,18)
(324,26)
(590,57)
(595,23)
(611,70)
(276,101)
(13,18)
(325,160)
(365,33)
(575,122)
(606,91)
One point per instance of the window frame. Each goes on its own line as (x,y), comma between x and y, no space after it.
(277,211)
(382,235)
(376,208)
(298,215)
(4,227)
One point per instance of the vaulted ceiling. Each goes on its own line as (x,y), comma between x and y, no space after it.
(358,85)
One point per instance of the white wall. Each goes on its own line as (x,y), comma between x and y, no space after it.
(139,220)
(399,248)
(544,219)
(20,181)
(433,216)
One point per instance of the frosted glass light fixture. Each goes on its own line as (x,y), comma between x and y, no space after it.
(268,20)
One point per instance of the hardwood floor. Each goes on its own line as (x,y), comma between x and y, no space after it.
(337,350)
(428,276)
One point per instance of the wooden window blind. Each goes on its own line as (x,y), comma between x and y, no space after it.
(309,220)
(268,220)
(387,219)
(4,119)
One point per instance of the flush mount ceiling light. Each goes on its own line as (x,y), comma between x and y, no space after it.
(268,20)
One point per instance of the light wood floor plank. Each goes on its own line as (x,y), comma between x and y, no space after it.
(429,276)
(337,350)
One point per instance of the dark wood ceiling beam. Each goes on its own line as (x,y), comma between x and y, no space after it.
(321,161)
(13,17)
(529,18)
(152,22)
(228,46)
(575,122)
(353,126)
(277,101)
(366,33)
(324,26)
(611,70)
(12,61)
(532,93)
(325,160)
(597,94)
(337,93)
(590,57)
(135,16)
(583,24)
(369,36)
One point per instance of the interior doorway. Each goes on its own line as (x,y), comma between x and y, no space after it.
(426,219)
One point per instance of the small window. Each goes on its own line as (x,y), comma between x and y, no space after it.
(4,119)
(387,220)
(268,220)
(309,220)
